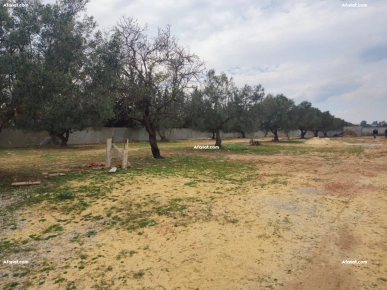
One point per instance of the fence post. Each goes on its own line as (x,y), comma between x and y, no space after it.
(108,152)
(125,155)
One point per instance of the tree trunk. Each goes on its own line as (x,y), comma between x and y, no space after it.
(150,128)
(275,132)
(303,134)
(218,140)
(243,134)
(213,135)
(315,133)
(154,148)
(326,134)
(64,137)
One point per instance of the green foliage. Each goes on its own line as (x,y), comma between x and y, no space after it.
(73,94)
(304,117)
(277,113)
(220,105)
(20,62)
(154,75)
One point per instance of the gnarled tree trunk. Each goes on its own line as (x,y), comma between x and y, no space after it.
(303,133)
(218,140)
(275,132)
(64,137)
(153,143)
(152,132)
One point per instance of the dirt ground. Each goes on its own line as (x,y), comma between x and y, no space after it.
(289,226)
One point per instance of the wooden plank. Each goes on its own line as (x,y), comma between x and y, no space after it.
(117,152)
(108,152)
(26,183)
(56,174)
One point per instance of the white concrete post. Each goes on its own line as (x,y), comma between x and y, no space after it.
(108,152)
(125,155)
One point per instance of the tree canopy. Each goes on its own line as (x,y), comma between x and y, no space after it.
(154,74)
(219,102)
(277,113)
(58,73)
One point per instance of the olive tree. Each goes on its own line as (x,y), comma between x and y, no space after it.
(20,62)
(219,102)
(154,74)
(276,113)
(74,92)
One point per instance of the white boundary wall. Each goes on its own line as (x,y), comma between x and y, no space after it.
(10,138)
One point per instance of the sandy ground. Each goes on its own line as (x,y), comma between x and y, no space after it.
(290,228)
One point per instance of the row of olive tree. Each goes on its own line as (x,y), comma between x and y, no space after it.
(59,74)
(280,113)
(55,70)
(220,105)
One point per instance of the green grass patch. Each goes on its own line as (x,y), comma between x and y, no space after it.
(53,228)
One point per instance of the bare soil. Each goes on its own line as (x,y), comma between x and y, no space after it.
(290,227)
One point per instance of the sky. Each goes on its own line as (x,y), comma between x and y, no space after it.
(332,56)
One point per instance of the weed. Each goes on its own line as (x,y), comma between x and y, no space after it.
(139,274)
(131,253)
(91,233)
(60,280)
(11,285)
(65,194)
(53,228)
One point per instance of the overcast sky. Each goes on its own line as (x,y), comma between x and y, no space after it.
(319,51)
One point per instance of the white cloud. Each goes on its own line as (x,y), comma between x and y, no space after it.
(308,49)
